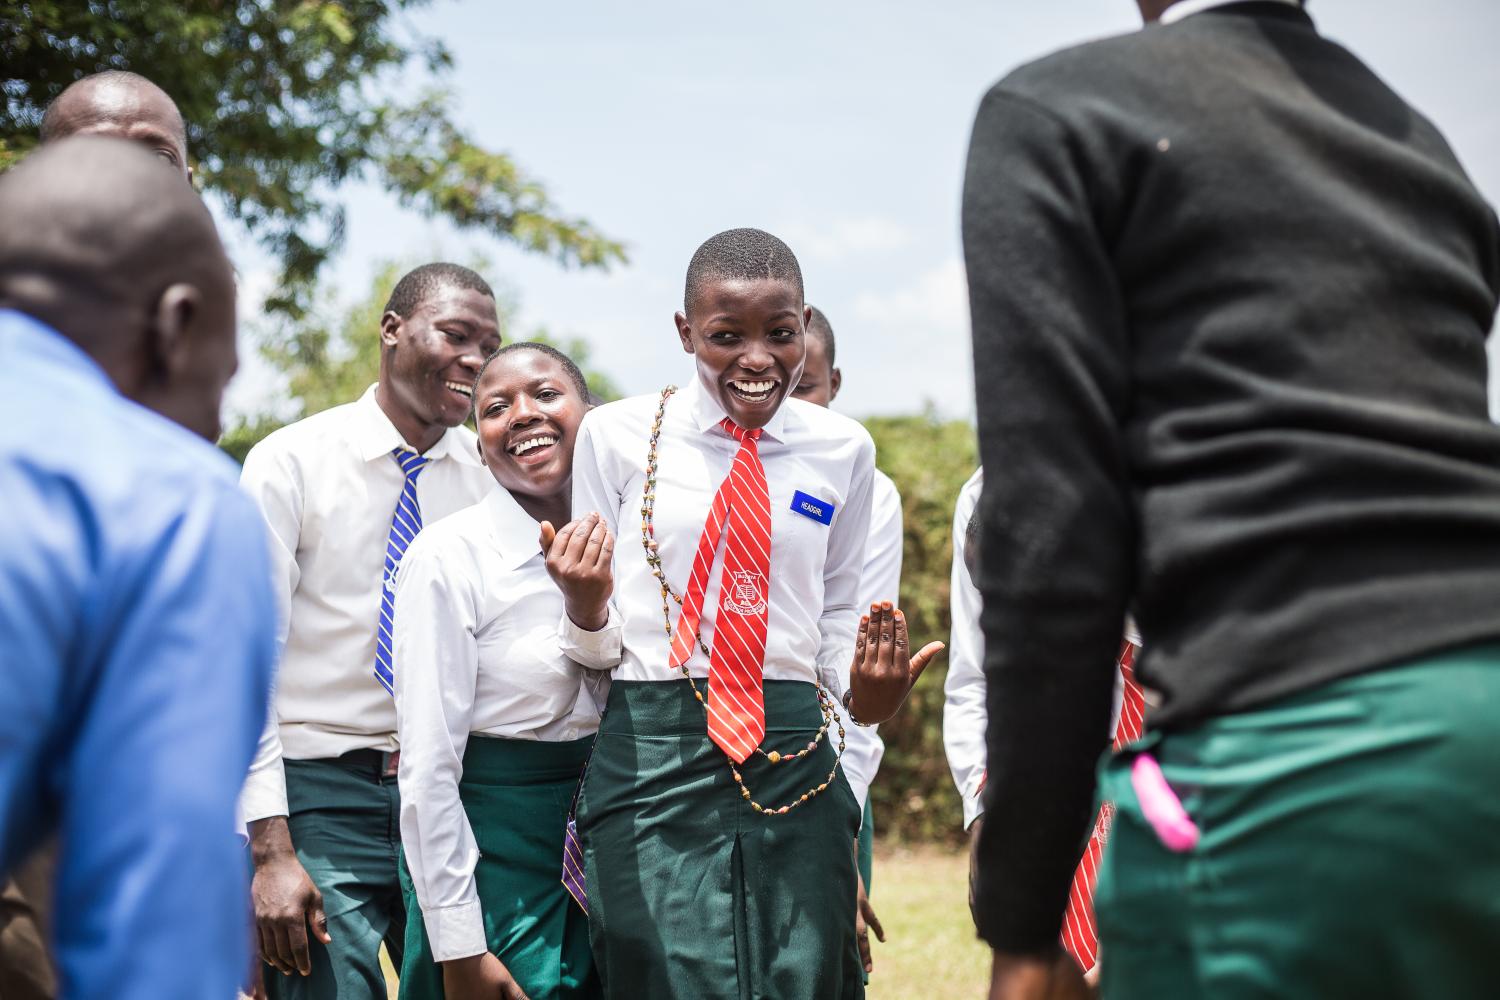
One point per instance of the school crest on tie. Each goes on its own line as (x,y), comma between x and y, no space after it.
(747,593)
(388,579)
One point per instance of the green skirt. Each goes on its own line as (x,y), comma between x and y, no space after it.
(1349,846)
(694,896)
(516,794)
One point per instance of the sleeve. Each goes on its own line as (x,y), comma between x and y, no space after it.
(1050,351)
(596,650)
(152,882)
(880,581)
(592,490)
(839,622)
(963,690)
(276,489)
(435,643)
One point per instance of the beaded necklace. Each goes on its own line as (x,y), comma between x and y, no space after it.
(668,594)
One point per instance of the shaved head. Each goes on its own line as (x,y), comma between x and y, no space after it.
(123,106)
(106,245)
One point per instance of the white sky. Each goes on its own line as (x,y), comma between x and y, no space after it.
(839,126)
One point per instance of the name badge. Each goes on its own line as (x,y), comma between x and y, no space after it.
(810,506)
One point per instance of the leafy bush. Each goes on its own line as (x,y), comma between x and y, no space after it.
(929,460)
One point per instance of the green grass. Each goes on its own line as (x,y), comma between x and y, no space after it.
(922,899)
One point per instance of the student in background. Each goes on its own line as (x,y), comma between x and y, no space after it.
(879,580)
(343,493)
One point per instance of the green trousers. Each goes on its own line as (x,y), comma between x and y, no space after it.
(694,896)
(516,794)
(345,820)
(1349,847)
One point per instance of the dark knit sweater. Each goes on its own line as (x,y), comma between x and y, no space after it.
(1230,296)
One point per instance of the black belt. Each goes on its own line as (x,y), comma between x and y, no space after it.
(377,763)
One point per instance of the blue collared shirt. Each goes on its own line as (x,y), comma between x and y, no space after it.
(137,634)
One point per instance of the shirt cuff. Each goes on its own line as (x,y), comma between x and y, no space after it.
(832,678)
(264,793)
(973,799)
(596,650)
(456,931)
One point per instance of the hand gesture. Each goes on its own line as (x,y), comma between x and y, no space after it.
(865,921)
(479,977)
(883,670)
(287,904)
(580,559)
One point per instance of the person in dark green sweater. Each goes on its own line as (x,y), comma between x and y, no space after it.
(1230,296)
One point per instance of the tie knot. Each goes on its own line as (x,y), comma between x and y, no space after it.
(739,433)
(411,463)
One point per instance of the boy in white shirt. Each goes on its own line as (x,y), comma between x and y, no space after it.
(343,493)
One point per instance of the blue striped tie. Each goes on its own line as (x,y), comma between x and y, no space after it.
(405,524)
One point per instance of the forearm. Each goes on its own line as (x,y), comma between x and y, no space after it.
(1057,538)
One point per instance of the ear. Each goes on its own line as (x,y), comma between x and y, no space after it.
(835,382)
(390,330)
(479,447)
(684,332)
(170,333)
(806,317)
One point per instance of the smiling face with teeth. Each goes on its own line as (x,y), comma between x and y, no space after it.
(748,339)
(429,359)
(528,410)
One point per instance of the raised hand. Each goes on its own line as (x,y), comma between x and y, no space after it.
(479,977)
(580,560)
(884,670)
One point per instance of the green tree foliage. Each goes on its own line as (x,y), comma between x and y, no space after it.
(929,460)
(284,102)
(331,354)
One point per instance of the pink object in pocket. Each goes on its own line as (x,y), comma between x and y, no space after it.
(1161,806)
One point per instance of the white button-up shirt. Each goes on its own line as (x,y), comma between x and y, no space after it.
(477,651)
(964,712)
(815,567)
(880,580)
(965,715)
(328,487)
(1184,8)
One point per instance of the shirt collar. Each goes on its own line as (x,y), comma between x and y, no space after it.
(707,412)
(516,532)
(36,339)
(1184,8)
(377,436)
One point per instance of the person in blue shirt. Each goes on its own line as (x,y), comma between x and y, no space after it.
(136,626)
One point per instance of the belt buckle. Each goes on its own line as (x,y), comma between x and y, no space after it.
(392,764)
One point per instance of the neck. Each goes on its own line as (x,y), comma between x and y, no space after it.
(418,434)
(557,508)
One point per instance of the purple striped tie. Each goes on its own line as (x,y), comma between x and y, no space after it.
(572,865)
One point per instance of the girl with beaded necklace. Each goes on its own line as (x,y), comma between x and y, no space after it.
(715,822)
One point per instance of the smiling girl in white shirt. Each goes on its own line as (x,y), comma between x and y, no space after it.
(495,720)
(717,827)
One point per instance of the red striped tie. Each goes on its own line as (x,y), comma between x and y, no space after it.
(736,707)
(1080,934)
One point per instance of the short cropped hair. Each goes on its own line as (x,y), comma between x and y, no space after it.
(822,329)
(419,283)
(741,255)
(574,373)
(48,131)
